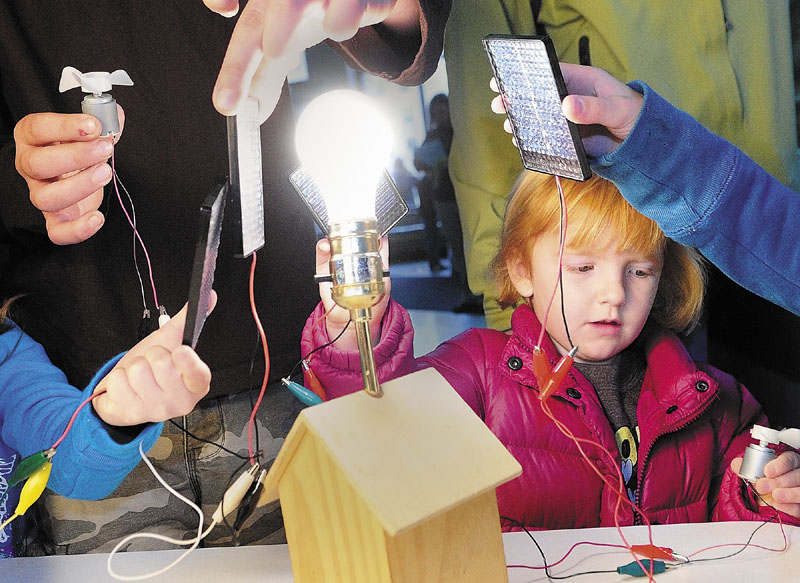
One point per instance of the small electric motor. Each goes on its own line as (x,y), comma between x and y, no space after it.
(758,455)
(99,104)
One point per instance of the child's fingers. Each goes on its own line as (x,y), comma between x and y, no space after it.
(383,247)
(170,335)
(323,256)
(170,382)
(150,394)
(154,387)
(195,374)
(783,487)
(387,281)
(120,405)
(166,378)
(786,500)
(787,495)
(784,463)
(782,482)
(781,475)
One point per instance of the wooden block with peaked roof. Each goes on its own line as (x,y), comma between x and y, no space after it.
(399,488)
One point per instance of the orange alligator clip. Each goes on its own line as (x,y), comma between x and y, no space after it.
(312,381)
(555,377)
(653,552)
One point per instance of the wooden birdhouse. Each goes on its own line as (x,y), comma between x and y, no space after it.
(399,488)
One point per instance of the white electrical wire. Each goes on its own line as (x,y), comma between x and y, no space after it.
(193,541)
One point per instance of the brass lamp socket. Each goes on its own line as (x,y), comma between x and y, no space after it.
(356,266)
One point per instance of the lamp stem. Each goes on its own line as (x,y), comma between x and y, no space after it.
(362,317)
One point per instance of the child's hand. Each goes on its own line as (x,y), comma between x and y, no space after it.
(158,379)
(337,317)
(781,480)
(63,159)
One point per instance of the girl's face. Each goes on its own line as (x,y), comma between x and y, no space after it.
(608,294)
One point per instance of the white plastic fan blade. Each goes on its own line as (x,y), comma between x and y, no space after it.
(70,78)
(791,437)
(96,82)
(120,77)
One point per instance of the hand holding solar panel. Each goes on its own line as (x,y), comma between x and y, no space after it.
(243,193)
(205,261)
(529,79)
(605,108)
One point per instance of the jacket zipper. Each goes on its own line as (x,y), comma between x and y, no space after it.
(636,515)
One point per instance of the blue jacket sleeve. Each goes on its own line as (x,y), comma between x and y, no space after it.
(36,403)
(706,193)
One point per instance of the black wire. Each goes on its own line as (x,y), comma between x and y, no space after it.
(562,237)
(563,314)
(744,546)
(222,447)
(222,507)
(251,388)
(582,573)
(320,347)
(752,534)
(246,459)
(544,559)
(258,451)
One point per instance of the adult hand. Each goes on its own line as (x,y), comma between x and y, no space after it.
(781,481)
(336,317)
(271,35)
(604,107)
(158,379)
(64,161)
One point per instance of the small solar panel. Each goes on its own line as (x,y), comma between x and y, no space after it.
(205,261)
(529,78)
(246,181)
(389,204)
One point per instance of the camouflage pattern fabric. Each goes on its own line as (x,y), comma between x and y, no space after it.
(198,470)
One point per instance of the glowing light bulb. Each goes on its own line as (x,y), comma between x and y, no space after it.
(344,142)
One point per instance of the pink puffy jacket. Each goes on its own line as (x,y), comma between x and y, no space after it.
(693,421)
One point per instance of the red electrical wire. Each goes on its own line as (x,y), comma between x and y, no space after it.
(75,415)
(263,336)
(567,554)
(565,430)
(745,545)
(619,489)
(563,232)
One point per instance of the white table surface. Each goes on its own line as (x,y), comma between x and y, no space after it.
(270,564)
